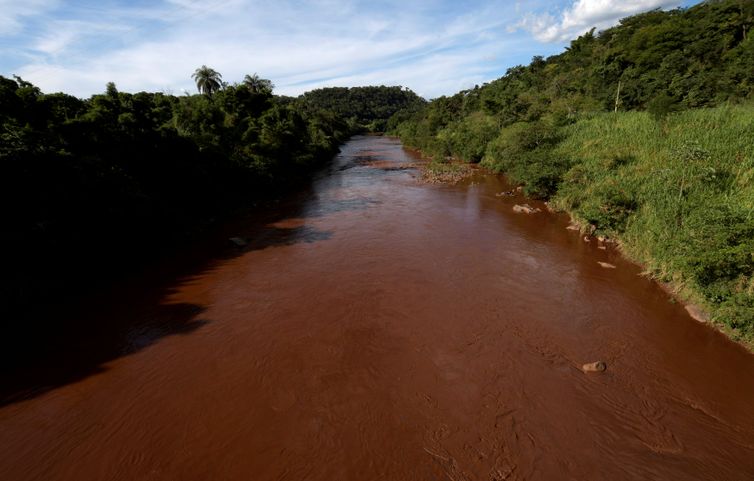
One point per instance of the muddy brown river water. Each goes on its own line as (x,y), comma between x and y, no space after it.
(379,328)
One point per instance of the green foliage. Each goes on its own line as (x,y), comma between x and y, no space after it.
(671,173)
(468,138)
(525,152)
(660,61)
(366,108)
(91,186)
(208,80)
(608,207)
(661,106)
(258,85)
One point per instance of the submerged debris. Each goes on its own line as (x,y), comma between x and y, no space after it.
(598,366)
(525,209)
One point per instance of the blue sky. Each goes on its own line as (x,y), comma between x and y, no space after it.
(434,47)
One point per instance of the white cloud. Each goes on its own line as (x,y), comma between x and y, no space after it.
(583,15)
(62,35)
(298,45)
(434,47)
(13,11)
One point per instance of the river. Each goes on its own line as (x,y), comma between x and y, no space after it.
(376,327)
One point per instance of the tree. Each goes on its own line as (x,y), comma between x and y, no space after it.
(111,90)
(208,80)
(258,85)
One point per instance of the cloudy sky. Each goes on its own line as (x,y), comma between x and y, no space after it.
(434,47)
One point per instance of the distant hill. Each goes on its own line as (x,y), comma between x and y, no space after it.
(366,108)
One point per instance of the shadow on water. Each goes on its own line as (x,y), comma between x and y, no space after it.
(78,347)
(286,236)
(65,343)
(321,209)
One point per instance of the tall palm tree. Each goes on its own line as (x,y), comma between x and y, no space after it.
(258,85)
(208,80)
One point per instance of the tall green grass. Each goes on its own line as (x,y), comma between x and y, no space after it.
(679,194)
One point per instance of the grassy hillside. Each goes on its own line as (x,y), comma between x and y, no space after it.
(679,193)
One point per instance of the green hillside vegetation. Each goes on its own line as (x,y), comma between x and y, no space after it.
(365,109)
(90,187)
(643,132)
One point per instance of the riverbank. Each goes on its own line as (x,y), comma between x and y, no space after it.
(675,193)
(678,194)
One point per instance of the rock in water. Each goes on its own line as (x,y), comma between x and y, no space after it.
(598,366)
(697,313)
(525,209)
(606,265)
(239,241)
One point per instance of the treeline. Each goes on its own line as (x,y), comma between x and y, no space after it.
(91,186)
(644,132)
(364,108)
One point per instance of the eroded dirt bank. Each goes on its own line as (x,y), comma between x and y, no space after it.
(376,327)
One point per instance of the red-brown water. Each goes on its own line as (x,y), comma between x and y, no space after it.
(379,328)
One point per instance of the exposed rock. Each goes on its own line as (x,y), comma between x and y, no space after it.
(598,366)
(573,227)
(447,173)
(587,239)
(697,313)
(602,248)
(525,209)
(239,241)
(507,193)
(606,265)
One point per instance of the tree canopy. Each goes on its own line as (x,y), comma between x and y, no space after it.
(660,60)
(208,80)
(91,185)
(258,85)
(366,108)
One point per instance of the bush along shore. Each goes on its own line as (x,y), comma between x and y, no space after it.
(92,187)
(644,133)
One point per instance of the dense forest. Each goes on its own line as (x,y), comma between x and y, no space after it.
(92,186)
(364,108)
(644,132)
